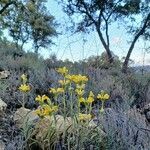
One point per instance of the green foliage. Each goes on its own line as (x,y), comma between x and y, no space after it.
(103,62)
(28,21)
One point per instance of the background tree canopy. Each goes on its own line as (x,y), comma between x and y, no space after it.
(27,21)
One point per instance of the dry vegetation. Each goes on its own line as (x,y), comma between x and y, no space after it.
(71,113)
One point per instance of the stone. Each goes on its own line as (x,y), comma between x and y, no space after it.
(2,145)
(3,106)
(23,115)
(58,123)
(4,74)
(147,107)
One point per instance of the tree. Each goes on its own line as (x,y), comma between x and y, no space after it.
(27,21)
(100,14)
(97,14)
(141,9)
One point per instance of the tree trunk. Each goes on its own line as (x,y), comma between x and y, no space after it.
(142,30)
(110,58)
(126,62)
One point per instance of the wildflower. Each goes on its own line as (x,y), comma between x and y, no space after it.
(84,117)
(90,100)
(64,82)
(79,92)
(42,98)
(63,70)
(57,90)
(78,79)
(46,110)
(24,88)
(40,112)
(69,77)
(24,78)
(81,100)
(103,96)
(91,94)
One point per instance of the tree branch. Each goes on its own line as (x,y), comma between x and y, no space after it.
(6,6)
(87,13)
(106,30)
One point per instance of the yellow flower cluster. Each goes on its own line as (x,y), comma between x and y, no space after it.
(79,92)
(89,100)
(24,87)
(42,99)
(84,117)
(64,82)
(103,96)
(46,110)
(46,107)
(77,79)
(63,71)
(75,84)
(56,90)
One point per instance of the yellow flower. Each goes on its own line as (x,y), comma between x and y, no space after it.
(84,117)
(24,78)
(90,100)
(24,88)
(79,92)
(57,90)
(63,70)
(40,112)
(60,90)
(91,94)
(78,79)
(103,96)
(42,98)
(81,100)
(46,110)
(64,82)
(69,77)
